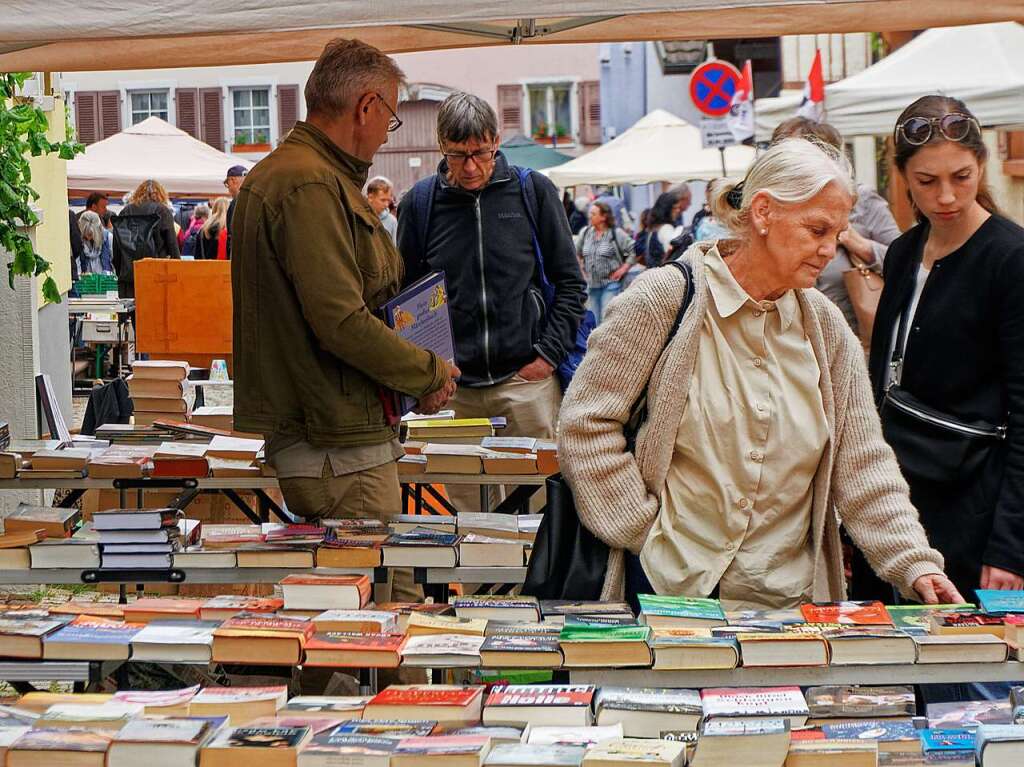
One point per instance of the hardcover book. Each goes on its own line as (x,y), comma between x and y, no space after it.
(353,649)
(847,613)
(756,702)
(680,612)
(851,701)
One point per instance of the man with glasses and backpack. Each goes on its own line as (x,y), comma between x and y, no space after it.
(499,233)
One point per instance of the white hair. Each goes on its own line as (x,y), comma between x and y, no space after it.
(791,172)
(91,227)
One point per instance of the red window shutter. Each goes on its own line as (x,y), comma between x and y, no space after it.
(510,109)
(287,109)
(109,113)
(211,120)
(85,117)
(590,108)
(186,104)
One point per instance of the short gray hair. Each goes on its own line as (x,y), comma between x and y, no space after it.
(346,70)
(792,172)
(464,116)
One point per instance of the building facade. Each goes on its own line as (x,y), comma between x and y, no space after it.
(549,92)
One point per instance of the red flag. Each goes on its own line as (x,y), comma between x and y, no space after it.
(741,113)
(813,105)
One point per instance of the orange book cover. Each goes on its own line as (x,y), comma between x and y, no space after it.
(847,613)
(182,607)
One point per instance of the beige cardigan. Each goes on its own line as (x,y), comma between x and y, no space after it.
(618,495)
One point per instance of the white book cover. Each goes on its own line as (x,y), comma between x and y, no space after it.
(387,620)
(442,644)
(754,701)
(157,698)
(163,730)
(234,444)
(177,632)
(219,695)
(88,712)
(581,736)
(505,522)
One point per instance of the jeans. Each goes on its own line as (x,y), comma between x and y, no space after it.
(599,298)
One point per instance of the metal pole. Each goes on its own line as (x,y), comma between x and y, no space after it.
(721,154)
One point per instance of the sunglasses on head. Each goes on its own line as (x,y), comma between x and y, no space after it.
(954,126)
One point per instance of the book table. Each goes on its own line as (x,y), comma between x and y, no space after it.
(807,676)
(418,487)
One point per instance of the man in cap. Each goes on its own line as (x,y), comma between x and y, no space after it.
(233,182)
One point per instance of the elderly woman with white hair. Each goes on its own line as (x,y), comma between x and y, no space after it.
(761,433)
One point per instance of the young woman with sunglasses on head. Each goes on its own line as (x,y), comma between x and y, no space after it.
(947,353)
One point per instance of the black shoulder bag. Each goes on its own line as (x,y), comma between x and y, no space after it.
(569,561)
(929,444)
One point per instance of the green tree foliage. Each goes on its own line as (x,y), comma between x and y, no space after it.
(23,128)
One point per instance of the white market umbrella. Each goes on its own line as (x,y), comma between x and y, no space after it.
(983,65)
(152,149)
(658,147)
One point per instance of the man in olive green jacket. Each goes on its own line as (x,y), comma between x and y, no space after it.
(311,265)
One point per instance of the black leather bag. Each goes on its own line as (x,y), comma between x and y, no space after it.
(933,446)
(929,444)
(569,561)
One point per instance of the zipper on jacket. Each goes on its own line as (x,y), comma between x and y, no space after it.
(483,288)
(998,432)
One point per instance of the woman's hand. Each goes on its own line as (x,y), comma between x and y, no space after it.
(937,590)
(1001,580)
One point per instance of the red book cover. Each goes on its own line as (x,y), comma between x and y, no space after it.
(847,613)
(807,735)
(954,620)
(180,467)
(425,695)
(245,622)
(541,695)
(337,640)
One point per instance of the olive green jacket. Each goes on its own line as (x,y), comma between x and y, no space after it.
(311,264)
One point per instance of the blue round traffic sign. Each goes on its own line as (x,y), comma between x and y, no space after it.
(712,86)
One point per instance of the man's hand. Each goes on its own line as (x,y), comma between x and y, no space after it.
(937,590)
(857,245)
(537,370)
(1001,580)
(619,273)
(436,400)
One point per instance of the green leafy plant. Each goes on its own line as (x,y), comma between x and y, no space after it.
(23,128)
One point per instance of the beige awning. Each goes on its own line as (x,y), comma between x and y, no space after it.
(67,35)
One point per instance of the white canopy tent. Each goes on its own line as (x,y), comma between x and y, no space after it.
(68,35)
(152,149)
(982,65)
(658,147)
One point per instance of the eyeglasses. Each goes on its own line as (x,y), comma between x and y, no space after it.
(395,122)
(480,156)
(918,131)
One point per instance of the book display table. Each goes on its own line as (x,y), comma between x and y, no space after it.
(913,673)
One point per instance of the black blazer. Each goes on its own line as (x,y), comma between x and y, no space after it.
(965,355)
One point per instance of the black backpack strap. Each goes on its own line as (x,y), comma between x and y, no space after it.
(687,272)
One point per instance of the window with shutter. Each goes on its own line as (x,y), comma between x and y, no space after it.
(590,105)
(85,117)
(186,103)
(211,117)
(510,109)
(109,113)
(287,109)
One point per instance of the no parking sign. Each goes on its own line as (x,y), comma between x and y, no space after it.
(712,86)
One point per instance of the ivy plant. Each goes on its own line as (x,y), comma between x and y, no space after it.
(23,128)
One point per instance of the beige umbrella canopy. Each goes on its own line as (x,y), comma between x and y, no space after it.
(68,35)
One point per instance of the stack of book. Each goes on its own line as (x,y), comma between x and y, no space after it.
(142,538)
(160,389)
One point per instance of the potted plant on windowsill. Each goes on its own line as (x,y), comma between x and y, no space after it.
(260,143)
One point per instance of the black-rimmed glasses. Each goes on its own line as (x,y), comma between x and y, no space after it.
(480,156)
(954,126)
(395,122)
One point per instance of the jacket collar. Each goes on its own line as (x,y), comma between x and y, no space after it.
(356,169)
(729,296)
(502,173)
